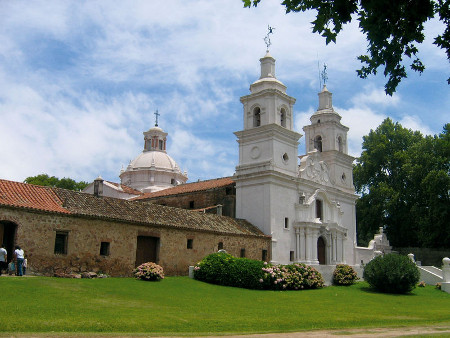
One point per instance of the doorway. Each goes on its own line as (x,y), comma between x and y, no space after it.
(321,250)
(147,249)
(7,237)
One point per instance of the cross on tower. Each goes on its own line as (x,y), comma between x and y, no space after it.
(156,114)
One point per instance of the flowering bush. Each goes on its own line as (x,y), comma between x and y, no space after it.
(344,275)
(149,272)
(224,269)
(295,276)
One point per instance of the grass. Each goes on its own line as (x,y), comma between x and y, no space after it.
(182,306)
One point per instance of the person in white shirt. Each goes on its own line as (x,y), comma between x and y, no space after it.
(3,259)
(19,256)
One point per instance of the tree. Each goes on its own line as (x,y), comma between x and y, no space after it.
(65,183)
(404,182)
(393,30)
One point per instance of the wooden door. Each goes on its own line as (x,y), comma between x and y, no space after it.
(321,250)
(147,249)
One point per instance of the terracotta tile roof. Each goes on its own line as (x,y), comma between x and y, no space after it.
(75,203)
(29,196)
(188,187)
(126,189)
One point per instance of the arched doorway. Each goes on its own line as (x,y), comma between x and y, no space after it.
(321,250)
(7,236)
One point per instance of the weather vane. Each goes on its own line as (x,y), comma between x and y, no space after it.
(267,37)
(324,74)
(156,115)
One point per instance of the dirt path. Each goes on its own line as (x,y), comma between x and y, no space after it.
(422,331)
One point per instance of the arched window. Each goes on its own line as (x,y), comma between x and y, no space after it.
(283,118)
(318,143)
(340,144)
(319,209)
(256,117)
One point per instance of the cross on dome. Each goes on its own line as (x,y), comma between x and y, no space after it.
(156,119)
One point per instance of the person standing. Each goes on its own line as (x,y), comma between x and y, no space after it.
(3,259)
(19,256)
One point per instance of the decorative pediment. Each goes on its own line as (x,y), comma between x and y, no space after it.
(314,169)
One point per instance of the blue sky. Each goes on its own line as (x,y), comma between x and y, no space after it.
(80,81)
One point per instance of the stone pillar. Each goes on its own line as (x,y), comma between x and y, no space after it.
(411,257)
(314,238)
(445,286)
(302,256)
(297,243)
(308,245)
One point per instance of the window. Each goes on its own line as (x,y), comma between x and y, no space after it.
(191,205)
(172,181)
(291,256)
(256,117)
(61,242)
(264,255)
(283,118)
(220,246)
(229,191)
(319,209)
(242,252)
(285,158)
(104,249)
(318,143)
(161,145)
(286,223)
(340,144)
(190,243)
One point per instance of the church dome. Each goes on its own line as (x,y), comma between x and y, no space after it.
(154,159)
(153,169)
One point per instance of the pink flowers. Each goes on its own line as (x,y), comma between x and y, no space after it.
(149,272)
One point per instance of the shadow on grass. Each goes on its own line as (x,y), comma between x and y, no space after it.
(368,289)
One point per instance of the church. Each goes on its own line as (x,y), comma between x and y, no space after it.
(278,206)
(306,204)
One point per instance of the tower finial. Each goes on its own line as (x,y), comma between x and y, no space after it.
(156,115)
(267,37)
(324,74)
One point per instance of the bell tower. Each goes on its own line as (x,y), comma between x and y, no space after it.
(328,137)
(268,151)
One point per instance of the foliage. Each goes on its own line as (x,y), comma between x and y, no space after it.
(225,269)
(297,276)
(392,273)
(404,182)
(64,183)
(149,272)
(344,275)
(42,306)
(393,30)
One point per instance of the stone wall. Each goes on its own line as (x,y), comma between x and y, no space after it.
(36,232)
(426,256)
(224,196)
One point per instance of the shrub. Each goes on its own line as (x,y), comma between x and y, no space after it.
(421,284)
(224,269)
(295,276)
(392,273)
(438,286)
(149,272)
(344,275)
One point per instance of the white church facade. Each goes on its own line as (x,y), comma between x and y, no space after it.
(309,208)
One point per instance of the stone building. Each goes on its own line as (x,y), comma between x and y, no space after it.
(210,196)
(57,225)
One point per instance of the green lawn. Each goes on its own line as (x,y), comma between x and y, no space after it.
(182,306)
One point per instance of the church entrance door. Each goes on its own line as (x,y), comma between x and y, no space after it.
(7,237)
(321,250)
(147,249)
